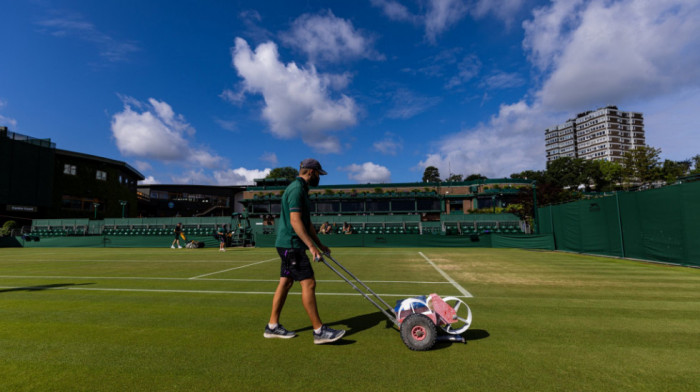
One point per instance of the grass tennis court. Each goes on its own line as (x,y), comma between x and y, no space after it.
(75,319)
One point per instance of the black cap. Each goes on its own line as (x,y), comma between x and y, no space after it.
(311,163)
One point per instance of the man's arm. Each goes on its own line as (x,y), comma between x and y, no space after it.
(309,236)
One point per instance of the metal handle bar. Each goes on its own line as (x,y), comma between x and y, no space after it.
(392,318)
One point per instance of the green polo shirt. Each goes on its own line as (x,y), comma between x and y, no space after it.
(294,199)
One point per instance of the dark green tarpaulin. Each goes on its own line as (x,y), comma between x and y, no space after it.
(657,224)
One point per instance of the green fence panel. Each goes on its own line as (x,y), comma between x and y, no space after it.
(657,224)
(10,242)
(690,205)
(66,242)
(542,241)
(662,224)
(586,226)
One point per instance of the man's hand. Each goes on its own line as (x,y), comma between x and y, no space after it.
(325,249)
(316,253)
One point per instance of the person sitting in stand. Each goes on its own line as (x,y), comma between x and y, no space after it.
(347,228)
(325,228)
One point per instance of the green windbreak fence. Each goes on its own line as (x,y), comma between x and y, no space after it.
(659,225)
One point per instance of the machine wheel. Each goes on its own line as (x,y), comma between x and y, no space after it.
(418,332)
(464,316)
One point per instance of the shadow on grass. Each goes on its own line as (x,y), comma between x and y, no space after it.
(476,334)
(355,325)
(470,335)
(363,322)
(43,287)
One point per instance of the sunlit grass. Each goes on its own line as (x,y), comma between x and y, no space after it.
(132,319)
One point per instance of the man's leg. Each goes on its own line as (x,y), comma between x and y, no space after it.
(279,298)
(322,333)
(308,298)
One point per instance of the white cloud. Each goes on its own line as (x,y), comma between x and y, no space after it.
(510,142)
(150,180)
(504,10)
(368,172)
(328,38)
(615,52)
(467,69)
(390,145)
(502,80)
(437,16)
(441,15)
(6,121)
(672,124)
(298,101)
(193,176)
(235,97)
(639,55)
(269,157)
(545,34)
(229,125)
(74,25)
(143,166)
(155,131)
(240,176)
(395,10)
(407,104)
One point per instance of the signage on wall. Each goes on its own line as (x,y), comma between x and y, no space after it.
(21,208)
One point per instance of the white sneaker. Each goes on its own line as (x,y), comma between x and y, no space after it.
(172,246)
(179,247)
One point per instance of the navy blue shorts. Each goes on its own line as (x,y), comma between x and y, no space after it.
(295,264)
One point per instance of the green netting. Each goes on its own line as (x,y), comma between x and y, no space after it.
(658,224)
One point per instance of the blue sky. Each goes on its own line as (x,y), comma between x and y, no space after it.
(219,92)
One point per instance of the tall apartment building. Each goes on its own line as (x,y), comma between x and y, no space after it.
(605,133)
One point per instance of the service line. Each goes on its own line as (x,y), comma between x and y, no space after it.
(449,279)
(231,269)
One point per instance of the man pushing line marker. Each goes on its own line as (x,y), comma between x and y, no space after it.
(295,234)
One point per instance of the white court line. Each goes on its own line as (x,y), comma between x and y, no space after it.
(454,283)
(231,269)
(201,279)
(194,291)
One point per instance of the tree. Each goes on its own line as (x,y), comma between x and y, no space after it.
(567,172)
(696,164)
(454,178)
(6,228)
(642,165)
(612,175)
(536,175)
(287,172)
(474,177)
(431,174)
(671,170)
(593,175)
